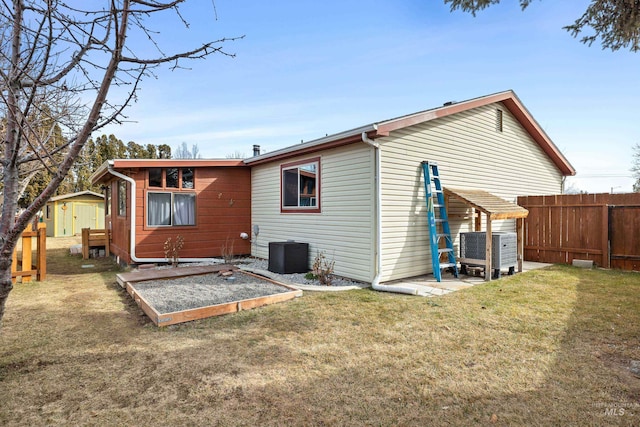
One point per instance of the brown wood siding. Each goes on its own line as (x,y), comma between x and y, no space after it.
(223,211)
(598,227)
(120,226)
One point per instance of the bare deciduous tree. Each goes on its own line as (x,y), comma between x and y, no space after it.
(183,152)
(616,23)
(58,61)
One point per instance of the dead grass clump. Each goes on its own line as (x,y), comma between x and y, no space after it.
(551,347)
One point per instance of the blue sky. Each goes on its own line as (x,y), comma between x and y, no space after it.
(307,68)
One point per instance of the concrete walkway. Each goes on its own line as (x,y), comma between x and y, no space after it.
(423,285)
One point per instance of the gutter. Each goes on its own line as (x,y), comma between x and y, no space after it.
(375,284)
(132,249)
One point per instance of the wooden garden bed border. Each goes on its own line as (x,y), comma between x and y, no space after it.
(128,281)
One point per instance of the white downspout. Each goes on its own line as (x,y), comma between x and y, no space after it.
(132,249)
(378,235)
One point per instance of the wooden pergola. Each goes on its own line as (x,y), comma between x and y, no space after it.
(495,208)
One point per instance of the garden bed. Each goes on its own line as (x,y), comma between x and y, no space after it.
(170,296)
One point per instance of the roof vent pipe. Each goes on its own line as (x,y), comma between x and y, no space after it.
(256,150)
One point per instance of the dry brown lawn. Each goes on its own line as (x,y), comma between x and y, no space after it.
(551,347)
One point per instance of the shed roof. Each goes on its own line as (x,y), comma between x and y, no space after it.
(78,194)
(491,205)
(382,128)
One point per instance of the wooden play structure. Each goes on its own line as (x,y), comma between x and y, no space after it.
(23,266)
(92,238)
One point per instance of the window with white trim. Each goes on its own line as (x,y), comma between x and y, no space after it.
(170,209)
(300,184)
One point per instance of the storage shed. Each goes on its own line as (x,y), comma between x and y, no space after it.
(68,214)
(358,196)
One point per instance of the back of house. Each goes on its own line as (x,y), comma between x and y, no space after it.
(358,196)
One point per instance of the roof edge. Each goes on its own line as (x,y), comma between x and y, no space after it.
(380,129)
(103,170)
(513,104)
(76,194)
(329,141)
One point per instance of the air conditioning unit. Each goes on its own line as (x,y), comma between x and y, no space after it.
(288,257)
(504,250)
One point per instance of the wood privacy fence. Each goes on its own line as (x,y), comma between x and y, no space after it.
(33,237)
(604,228)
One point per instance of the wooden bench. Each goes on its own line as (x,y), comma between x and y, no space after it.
(92,238)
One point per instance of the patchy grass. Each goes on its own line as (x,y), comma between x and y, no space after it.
(550,347)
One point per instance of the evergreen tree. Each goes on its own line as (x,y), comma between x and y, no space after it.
(151,151)
(616,23)
(164,151)
(136,151)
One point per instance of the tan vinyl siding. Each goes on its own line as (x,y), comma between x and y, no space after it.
(344,229)
(471,153)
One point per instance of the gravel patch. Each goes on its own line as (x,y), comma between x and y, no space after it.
(261,267)
(189,292)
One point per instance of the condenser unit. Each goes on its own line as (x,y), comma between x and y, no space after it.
(504,250)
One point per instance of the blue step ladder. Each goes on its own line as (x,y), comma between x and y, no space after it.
(440,239)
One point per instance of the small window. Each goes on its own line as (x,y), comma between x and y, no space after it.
(167,209)
(47,214)
(300,185)
(172,178)
(122,198)
(187,178)
(155,177)
(107,203)
(499,120)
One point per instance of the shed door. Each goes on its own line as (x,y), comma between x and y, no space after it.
(84,216)
(65,219)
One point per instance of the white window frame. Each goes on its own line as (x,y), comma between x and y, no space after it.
(172,208)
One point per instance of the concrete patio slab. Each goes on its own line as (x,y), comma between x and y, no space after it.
(428,286)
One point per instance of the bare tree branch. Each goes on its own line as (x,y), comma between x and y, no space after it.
(58,62)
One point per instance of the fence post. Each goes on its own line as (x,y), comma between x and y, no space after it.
(14,265)
(26,253)
(41,262)
(520,242)
(606,255)
(85,243)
